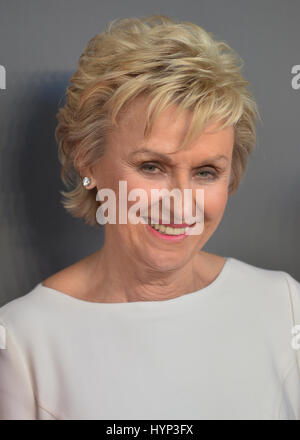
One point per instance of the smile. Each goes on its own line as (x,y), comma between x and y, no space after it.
(168,232)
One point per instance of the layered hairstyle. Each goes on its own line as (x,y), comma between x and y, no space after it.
(171,63)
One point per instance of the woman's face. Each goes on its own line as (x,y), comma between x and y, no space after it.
(162,166)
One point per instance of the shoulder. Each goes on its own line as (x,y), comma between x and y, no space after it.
(269,301)
(21,305)
(22,318)
(35,309)
(260,276)
(275,292)
(29,313)
(71,280)
(25,313)
(247,274)
(65,280)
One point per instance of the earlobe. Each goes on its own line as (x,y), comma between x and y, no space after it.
(87,178)
(88,182)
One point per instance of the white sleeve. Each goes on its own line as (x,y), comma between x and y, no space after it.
(17,400)
(294,294)
(289,408)
(291,385)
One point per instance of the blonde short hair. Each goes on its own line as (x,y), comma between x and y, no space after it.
(170,62)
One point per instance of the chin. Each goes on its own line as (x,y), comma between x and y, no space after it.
(165,259)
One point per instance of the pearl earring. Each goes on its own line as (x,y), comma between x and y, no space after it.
(86,181)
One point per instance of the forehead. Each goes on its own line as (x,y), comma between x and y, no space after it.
(168,131)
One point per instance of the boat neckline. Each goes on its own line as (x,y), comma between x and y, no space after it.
(186,296)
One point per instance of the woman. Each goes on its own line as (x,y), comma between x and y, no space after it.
(151,326)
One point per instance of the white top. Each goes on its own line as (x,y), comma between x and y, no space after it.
(223,352)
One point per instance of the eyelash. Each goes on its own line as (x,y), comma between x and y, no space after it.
(214,174)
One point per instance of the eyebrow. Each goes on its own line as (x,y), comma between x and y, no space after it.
(166,158)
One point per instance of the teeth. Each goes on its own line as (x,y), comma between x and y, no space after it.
(168,230)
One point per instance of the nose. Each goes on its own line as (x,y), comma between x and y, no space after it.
(180,180)
(182,203)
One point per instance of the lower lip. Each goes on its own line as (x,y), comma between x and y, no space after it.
(165,236)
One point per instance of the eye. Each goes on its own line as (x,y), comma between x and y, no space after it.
(212,173)
(149,167)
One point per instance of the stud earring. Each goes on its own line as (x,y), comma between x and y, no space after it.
(86,181)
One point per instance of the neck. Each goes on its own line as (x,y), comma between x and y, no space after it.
(118,276)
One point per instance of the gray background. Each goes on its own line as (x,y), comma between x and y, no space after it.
(40,43)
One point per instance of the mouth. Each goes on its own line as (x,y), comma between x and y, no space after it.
(170,231)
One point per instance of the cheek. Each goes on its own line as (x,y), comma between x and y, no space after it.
(215,200)
(134,183)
